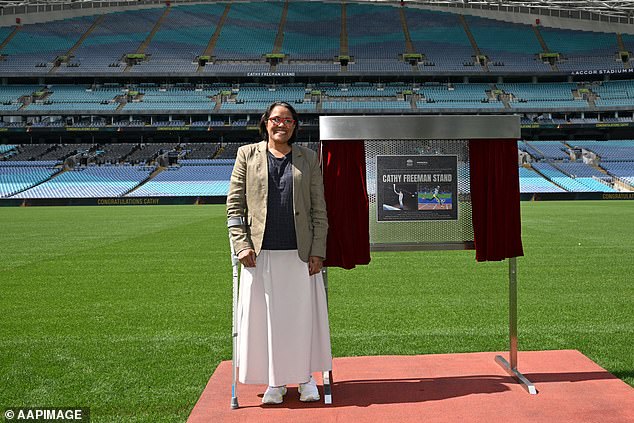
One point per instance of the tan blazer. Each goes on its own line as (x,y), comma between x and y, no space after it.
(248,193)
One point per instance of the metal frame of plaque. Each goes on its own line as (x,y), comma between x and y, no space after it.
(428,135)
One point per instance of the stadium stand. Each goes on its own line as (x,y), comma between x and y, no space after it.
(519,56)
(118,34)
(183,82)
(14,179)
(181,39)
(249,31)
(582,49)
(609,151)
(312,33)
(552,150)
(554,174)
(203,178)
(173,39)
(113,153)
(34,48)
(30,152)
(532,182)
(440,37)
(622,170)
(145,153)
(6,148)
(552,169)
(131,98)
(614,94)
(368,41)
(199,151)
(102,181)
(229,151)
(550,97)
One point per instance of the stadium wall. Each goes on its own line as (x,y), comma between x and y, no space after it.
(170,201)
(113,201)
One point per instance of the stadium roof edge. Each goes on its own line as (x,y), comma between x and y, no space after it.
(597,15)
(575,9)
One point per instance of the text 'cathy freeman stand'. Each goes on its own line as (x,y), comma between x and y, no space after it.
(403,183)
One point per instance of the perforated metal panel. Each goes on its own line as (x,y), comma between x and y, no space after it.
(447,234)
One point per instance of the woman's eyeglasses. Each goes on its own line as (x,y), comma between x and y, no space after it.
(276,120)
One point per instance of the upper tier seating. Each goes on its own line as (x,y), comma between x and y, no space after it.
(182,36)
(249,31)
(375,38)
(521,55)
(584,50)
(443,41)
(119,33)
(367,40)
(312,31)
(34,47)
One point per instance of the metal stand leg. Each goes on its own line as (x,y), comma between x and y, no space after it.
(327,376)
(511,368)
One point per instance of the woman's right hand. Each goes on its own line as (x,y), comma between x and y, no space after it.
(247,257)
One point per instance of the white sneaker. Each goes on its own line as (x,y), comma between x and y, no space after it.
(308,391)
(274,395)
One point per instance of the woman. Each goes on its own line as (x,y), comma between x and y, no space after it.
(277,188)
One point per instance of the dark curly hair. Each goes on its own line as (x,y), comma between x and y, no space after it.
(267,114)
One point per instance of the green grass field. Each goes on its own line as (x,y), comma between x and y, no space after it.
(127,310)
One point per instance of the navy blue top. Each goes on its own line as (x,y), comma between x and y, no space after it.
(279,232)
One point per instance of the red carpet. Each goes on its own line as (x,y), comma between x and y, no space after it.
(452,388)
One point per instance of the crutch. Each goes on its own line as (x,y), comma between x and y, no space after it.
(231,222)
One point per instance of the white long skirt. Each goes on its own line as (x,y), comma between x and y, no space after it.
(283,333)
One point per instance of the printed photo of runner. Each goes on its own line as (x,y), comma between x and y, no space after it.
(436,198)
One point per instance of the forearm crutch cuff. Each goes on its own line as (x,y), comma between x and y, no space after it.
(235,221)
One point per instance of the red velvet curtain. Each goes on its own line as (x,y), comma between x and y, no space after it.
(347,201)
(495,198)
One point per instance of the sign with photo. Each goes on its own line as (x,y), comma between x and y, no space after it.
(413,188)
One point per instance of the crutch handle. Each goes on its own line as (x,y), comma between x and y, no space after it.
(232,222)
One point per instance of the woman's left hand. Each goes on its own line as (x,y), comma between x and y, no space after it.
(314,265)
